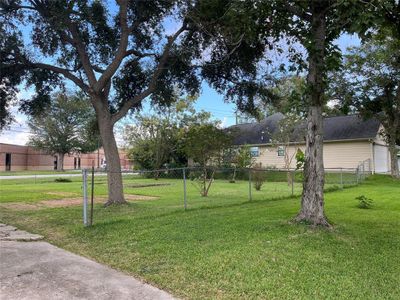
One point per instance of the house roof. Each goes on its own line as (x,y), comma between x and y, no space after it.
(335,128)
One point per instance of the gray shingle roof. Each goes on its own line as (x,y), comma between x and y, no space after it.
(335,128)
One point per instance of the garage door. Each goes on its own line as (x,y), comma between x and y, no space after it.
(381,156)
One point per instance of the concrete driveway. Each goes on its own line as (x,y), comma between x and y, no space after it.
(38,270)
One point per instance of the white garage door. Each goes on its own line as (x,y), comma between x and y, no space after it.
(381,156)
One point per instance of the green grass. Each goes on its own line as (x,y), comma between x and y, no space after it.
(37,172)
(227,247)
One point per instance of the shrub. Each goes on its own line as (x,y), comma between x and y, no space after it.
(364,202)
(62,180)
(258,176)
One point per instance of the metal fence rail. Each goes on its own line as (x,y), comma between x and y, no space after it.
(195,187)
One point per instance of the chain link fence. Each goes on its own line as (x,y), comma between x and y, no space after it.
(197,188)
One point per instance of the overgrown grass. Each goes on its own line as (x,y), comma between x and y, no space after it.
(228,247)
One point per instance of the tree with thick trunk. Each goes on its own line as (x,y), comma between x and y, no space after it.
(118,60)
(316,24)
(312,201)
(394,137)
(122,59)
(394,162)
(60,162)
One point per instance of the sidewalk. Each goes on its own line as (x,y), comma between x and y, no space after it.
(39,270)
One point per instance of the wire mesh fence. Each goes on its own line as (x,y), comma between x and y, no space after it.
(196,187)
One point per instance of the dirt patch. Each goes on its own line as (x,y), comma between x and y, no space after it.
(62,194)
(20,206)
(65,202)
(78,201)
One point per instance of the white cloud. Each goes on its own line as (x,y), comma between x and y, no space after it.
(14,137)
(18,134)
(224,123)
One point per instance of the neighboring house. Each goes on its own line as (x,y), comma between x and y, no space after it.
(16,158)
(348,141)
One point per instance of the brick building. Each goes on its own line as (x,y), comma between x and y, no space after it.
(17,158)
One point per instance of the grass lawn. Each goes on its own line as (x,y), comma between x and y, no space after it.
(225,246)
(37,172)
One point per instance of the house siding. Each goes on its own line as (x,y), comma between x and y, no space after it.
(336,154)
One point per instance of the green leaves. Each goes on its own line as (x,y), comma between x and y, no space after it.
(65,126)
(205,143)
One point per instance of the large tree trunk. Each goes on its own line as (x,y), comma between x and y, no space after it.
(394,165)
(394,134)
(60,161)
(312,202)
(114,176)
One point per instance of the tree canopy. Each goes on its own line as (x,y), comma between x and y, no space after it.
(64,127)
(122,54)
(155,140)
(369,83)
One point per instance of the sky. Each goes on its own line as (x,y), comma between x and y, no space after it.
(209,100)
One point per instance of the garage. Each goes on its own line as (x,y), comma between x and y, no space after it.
(381,159)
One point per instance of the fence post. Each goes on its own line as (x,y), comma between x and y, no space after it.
(363,172)
(250,197)
(341,178)
(369,166)
(293,182)
(92,196)
(184,189)
(357,174)
(85,196)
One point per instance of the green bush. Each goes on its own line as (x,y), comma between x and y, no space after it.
(364,202)
(62,180)
(258,176)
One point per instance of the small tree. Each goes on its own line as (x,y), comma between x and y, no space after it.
(242,159)
(370,85)
(154,140)
(283,137)
(258,176)
(205,144)
(65,127)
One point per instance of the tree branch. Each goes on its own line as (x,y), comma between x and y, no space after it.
(66,73)
(120,53)
(236,46)
(294,9)
(76,41)
(139,54)
(153,81)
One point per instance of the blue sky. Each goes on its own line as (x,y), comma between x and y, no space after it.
(209,100)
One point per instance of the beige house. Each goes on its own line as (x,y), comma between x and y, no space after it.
(348,142)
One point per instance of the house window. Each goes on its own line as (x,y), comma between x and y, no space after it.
(281,151)
(254,151)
